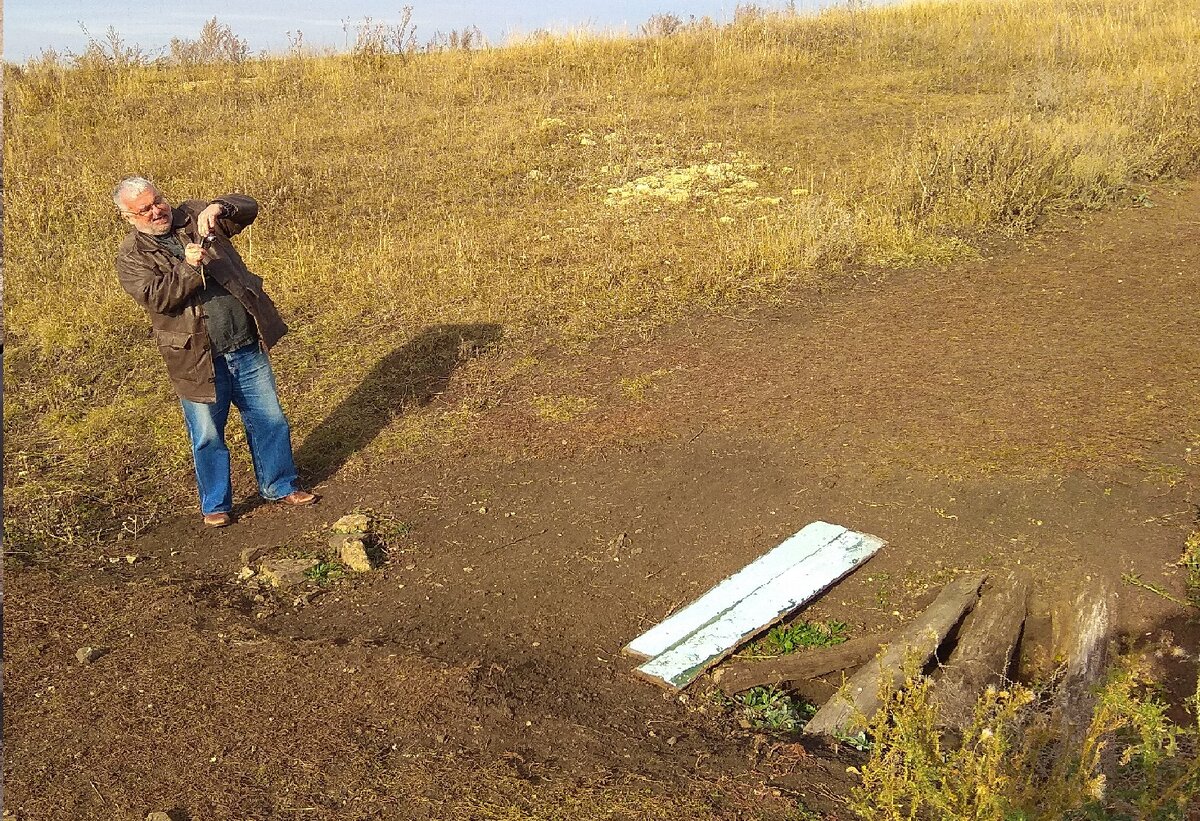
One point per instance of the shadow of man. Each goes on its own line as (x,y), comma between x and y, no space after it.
(407,378)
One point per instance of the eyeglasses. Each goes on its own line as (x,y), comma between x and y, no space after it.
(145,212)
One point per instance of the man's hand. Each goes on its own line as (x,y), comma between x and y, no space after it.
(194,254)
(207,219)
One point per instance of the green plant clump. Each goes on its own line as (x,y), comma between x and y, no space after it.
(789,638)
(325,572)
(769,708)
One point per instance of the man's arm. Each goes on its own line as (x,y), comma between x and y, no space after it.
(153,289)
(228,214)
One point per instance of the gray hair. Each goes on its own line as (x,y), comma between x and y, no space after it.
(131,186)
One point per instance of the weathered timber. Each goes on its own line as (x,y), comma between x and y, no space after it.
(986,642)
(800,547)
(1082,633)
(809,664)
(862,695)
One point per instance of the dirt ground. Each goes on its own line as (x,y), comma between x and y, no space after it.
(1035,407)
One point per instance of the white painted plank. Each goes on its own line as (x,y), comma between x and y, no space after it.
(681,664)
(733,589)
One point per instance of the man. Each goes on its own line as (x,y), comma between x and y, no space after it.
(213,325)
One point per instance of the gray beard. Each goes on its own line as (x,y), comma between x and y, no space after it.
(156,232)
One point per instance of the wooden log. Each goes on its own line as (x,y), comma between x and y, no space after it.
(1082,632)
(863,694)
(986,642)
(808,664)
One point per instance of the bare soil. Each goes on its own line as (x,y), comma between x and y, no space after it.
(1035,407)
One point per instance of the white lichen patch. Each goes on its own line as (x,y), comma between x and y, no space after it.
(726,181)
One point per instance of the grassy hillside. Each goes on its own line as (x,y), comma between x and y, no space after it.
(555,187)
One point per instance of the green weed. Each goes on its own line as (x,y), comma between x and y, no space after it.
(789,638)
(325,572)
(768,708)
(1162,473)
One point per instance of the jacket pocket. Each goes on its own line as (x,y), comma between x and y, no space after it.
(187,358)
(177,340)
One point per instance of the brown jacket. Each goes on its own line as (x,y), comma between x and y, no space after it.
(169,290)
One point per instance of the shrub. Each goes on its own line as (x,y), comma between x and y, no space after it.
(1015,762)
(216,44)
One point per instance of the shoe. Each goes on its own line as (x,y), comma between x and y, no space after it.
(217,519)
(298,498)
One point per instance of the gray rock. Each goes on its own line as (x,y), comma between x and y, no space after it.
(353,554)
(287,572)
(87,655)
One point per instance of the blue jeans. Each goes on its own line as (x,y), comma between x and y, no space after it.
(244,378)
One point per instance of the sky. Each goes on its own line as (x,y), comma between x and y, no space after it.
(30,26)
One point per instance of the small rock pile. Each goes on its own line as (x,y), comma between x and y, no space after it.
(351,539)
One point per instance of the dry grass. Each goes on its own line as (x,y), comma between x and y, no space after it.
(556,186)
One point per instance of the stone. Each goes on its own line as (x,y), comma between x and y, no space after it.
(306,598)
(87,655)
(287,572)
(353,554)
(245,573)
(250,555)
(355,523)
(158,816)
